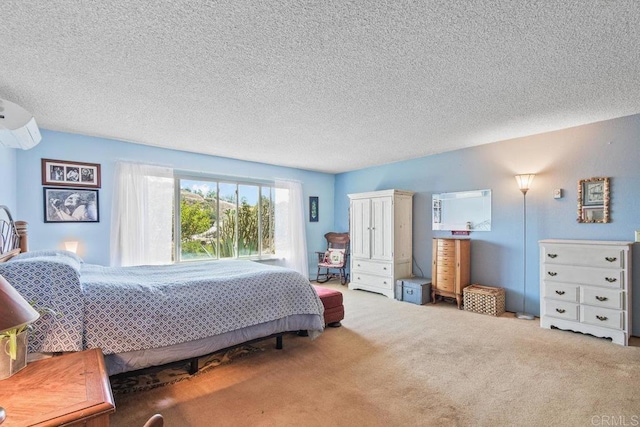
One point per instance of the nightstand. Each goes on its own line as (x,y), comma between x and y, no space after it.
(70,390)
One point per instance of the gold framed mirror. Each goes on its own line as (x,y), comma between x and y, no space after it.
(593,200)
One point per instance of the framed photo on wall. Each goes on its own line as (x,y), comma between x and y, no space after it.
(593,200)
(593,193)
(313,209)
(71,205)
(70,174)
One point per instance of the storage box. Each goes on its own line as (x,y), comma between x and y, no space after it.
(416,290)
(484,299)
(8,367)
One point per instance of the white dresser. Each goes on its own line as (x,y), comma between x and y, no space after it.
(381,239)
(585,286)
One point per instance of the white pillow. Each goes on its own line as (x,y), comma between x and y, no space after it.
(335,256)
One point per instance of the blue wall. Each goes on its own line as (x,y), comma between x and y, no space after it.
(560,159)
(94,238)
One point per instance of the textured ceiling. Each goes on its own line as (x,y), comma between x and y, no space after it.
(331,85)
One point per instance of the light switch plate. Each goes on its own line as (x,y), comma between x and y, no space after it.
(557,193)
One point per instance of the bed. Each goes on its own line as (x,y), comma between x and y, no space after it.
(152,315)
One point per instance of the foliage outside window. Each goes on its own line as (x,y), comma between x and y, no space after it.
(222,219)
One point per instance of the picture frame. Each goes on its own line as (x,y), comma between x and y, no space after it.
(593,200)
(65,173)
(593,193)
(71,205)
(313,209)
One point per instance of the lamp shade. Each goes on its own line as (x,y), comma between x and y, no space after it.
(15,311)
(18,128)
(524,181)
(71,246)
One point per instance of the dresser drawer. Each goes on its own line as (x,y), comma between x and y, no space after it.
(601,297)
(604,317)
(446,261)
(444,244)
(561,291)
(372,267)
(561,309)
(445,284)
(590,256)
(613,278)
(445,279)
(371,280)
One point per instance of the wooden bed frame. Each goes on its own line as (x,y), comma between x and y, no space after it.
(13,236)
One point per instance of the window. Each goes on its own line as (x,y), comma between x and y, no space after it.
(223,219)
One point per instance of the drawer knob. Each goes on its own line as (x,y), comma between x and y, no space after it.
(610,279)
(560,310)
(560,292)
(599,298)
(552,273)
(610,258)
(384,268)
(358,265)
(602,318)
(552,255)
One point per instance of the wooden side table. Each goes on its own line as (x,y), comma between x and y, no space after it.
(72,389)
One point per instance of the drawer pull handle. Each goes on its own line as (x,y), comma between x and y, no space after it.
(358,265)
(610,258)
(602,318)
(560,310)
(552,273)
(552,255)
(610,279)
(601,298)
(560,292)
(384,268)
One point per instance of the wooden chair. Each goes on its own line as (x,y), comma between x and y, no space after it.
(155,421)
(335,259)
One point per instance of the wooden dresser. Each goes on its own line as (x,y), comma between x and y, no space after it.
(70,390)
(451,268)
(585,286)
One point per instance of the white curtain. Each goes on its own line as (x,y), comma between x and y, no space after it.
(141,216)
(290,233)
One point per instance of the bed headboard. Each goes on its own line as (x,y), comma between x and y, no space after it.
(13,235)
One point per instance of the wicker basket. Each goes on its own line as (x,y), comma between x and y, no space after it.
(484,300)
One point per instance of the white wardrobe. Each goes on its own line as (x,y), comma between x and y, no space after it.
(381,239)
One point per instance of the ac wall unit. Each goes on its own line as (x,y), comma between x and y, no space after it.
(18,128)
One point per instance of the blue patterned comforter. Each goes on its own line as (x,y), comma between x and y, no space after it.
(120,309)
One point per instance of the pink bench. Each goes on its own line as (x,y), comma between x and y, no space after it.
(333,308)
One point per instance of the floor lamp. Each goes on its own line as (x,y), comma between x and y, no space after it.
(524,182)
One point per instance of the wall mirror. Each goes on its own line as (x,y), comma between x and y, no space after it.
(593,200)
(463,210)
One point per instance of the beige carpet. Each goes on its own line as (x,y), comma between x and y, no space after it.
(399,364)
